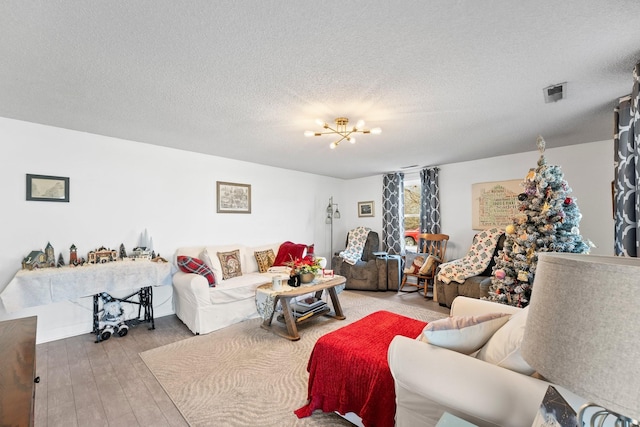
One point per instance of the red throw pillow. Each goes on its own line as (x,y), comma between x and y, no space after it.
(194,265)
(288,252)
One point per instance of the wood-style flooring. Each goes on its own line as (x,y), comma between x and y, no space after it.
(107,384)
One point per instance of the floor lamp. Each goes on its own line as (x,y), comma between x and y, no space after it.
(332,213)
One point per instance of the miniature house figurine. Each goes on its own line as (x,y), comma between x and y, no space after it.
(35,260)
(50,254)
(73,255)
(102,255)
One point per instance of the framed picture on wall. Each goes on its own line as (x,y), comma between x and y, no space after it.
(233,197)
(47,188)
(365,209)
(494,204)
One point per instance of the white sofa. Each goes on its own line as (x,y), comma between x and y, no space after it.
(431,380)
(205,309)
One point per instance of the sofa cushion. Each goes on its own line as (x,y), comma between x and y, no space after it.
(503,348)
(264,259)
(464,334)
(231,264)
(194,265)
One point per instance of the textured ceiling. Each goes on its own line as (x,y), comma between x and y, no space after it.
(447,81)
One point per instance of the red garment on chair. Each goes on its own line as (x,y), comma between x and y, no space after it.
(349,372)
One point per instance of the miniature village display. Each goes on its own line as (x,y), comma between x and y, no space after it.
(46,259)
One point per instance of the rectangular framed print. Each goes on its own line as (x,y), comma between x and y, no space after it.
(494,204)
(47,188)
(365,209)
(233,197)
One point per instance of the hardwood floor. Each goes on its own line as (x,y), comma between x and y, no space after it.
(107,384)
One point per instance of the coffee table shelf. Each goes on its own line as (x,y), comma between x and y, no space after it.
(288,318)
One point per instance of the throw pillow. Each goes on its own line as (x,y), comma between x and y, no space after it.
(503,349)
(415,266)
(197,266)
(427,267)
(464,334)
(230,263)
(265,260)
(289,251)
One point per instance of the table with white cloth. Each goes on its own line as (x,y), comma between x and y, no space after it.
(267,300)
(31,288)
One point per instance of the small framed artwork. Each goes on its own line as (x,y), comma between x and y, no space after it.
(233,198)
(365,208)
(47,188)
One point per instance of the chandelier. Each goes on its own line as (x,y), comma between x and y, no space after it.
(341,129)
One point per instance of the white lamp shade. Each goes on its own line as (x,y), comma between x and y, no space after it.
(583,331)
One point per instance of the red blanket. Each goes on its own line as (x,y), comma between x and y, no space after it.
(349,372)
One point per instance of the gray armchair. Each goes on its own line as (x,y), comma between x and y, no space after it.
(472,287)
(369,273)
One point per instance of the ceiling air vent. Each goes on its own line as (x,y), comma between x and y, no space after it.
(555,93)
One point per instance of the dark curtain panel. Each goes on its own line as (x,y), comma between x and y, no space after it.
(393,213)
(429,201)
(627,172)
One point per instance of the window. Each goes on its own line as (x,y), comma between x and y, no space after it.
(411,212)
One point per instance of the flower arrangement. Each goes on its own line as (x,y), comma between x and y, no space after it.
(304,265)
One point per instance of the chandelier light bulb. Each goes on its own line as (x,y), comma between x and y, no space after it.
(351,140)
(360,125)
(320,122)
(308,133)
(376,131)
(333,145)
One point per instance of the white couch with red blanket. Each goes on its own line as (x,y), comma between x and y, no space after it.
(222,291)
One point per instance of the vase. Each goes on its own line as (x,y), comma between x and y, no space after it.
(307,277)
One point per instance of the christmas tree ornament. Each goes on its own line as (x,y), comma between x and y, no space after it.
(510,229)
(500,274)
(531,175)
(568,201)
(523,276)
(540,143)
(545,208)
(522,197)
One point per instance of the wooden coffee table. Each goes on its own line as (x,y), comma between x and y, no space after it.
(285,296)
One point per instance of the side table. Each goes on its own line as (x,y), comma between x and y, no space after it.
(267,299)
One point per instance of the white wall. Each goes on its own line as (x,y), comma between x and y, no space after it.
(120,188)
(588,168)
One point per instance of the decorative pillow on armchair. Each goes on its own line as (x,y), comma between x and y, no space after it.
(427,267)
(415,267)
(231,265)
(464,334)
(503,348)
(197,266)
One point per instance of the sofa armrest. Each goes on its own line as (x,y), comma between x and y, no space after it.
(464,306)
(480,392)
(192,288)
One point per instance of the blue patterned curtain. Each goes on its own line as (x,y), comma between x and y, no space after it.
(429,201)
(393,213)
(627,179)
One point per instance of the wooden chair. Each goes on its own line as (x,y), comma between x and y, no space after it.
(430,244)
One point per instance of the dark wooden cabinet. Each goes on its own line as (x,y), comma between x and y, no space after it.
(18,371)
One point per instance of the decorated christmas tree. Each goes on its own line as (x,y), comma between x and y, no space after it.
(547,221)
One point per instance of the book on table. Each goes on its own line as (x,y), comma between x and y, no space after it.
(301,311)
(310,302)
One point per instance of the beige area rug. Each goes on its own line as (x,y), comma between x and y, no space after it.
(244,375)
